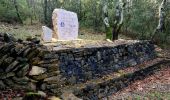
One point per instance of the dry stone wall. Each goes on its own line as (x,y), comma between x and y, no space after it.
(31,66)
(82,64)
(16,61)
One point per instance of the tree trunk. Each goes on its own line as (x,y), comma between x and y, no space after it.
(30,4)
(45,12)
(62,3)
(161,24)
(94,10)
(17,11)
(106,19)
(118,20)
(80,10)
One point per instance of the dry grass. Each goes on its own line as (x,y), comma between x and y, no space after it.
(35,30)
(21,32)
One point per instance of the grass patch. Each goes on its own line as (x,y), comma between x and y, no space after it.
(22,32)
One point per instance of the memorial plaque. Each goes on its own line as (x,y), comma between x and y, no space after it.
(65,24)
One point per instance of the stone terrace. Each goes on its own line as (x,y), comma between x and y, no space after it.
(59,67)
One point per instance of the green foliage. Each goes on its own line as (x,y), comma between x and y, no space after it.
(8,11)
(108,33)
(140,16)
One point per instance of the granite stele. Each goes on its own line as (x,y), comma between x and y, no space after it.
(65,25)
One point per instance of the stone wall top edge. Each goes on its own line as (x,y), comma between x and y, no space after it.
(100,47)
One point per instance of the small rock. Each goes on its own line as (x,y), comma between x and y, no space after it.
(2,85)
(35,96)
(54,98)
(46,75)
(72,80)
(18,98)
(33,53)
(48,61)
(21,81)
(23,71)
(37,71)
(11,66)
(43,86)
(32,86)
(52,79)
(6,75)
(43,94)
(98,56)
(9,82)
(26,52)
(3,58)
(69,96)
(40,77)
(9,38)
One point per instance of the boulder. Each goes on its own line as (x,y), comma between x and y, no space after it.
(37,70)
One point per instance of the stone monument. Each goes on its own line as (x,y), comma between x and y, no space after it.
(65,25)
(47,34)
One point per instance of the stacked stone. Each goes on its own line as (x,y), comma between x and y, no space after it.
(6,37)
(49,77)
(8,62)
(17,62)
(30,66)
(82,64)
(99,90)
